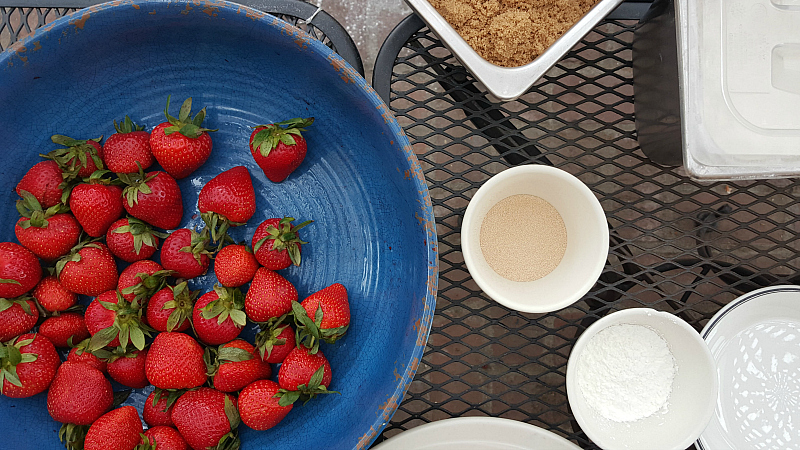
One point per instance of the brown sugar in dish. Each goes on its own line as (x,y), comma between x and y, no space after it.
(512,33)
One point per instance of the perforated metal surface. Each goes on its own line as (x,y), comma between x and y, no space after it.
(676,245)
(17,23)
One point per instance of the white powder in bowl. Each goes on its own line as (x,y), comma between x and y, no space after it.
(625,372)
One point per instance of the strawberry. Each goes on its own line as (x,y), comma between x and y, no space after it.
(276,243)
(275,342)
(27,365)
(269,297)
(162,438)
(89,269)
(128,149)
(323,315)
(207,418)
(186,253)
(127,367)
(279,148)
(114,321)
(80,354)
(78,395)
(258,406)
(141,280)
(96,204)
(80,158)
(43,181)
(234,365)
(157,409)
(303,375)
(180,144)
(153,197)
(118,429)
(175,361)
(19,270)
(17,316)
(52,296)
(227,200)
(132,240)
(64,329)
(218,317)
(47,234)
(235,265)
(170,309)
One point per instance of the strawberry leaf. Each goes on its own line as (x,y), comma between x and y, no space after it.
(120,397)
(137,337)
(73,436)
(102,338)
(9,281)
(233,354)
(232,413)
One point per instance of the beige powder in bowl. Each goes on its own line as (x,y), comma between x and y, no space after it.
(523,237)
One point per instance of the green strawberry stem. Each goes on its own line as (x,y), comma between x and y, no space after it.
(198,245)
(309,332)
(149,285)
(184,123)
(30,208)
(305,392)
(281,132)
(284,237)
(267,338)
(229,304)
(74,155)
(127,126)
(143,234)
(182,304)
(128,325)
(218,226)
(10,357)
(73,436)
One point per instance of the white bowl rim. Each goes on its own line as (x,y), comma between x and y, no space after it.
(581,288)
(619,317)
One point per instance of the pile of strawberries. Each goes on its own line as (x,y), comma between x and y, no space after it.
(88,205)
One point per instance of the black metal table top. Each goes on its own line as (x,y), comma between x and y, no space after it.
(677,245)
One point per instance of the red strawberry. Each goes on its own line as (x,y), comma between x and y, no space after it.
(27,365)
(80,354)
(64,329)
(162,438)
(154,197)
(19,270)
(323,315)
(132,240)
(141,280)
(206,418)
(157,408)
(234,365)
(96,205)
(48,234)
(89,270)
(279,148)
(186,252)
(269,297)
(127,368)
(80,158)
(258,406)
(78,396)
(235,265)
(43,181)
(170,309)
(127,147)
(118,429)
(17,316)
(181,145)
(114,321)
(274,343)
(175,361)
(303,375)
(276,243)
(218,317)
(52,296)
(227,200)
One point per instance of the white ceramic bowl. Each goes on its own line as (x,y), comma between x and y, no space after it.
(690,405)
(587,239)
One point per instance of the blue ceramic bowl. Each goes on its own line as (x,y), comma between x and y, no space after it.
(373,227)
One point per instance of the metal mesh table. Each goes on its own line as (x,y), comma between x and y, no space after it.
(677,245)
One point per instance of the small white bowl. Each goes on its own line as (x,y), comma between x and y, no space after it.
(690,405)
(587,239)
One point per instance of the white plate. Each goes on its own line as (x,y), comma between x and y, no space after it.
(755,341)
(477,433)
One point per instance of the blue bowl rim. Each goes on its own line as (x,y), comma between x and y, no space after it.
(22,50)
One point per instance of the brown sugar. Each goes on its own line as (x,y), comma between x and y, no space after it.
(512,33)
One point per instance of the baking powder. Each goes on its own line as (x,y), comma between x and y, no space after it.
(625,372)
